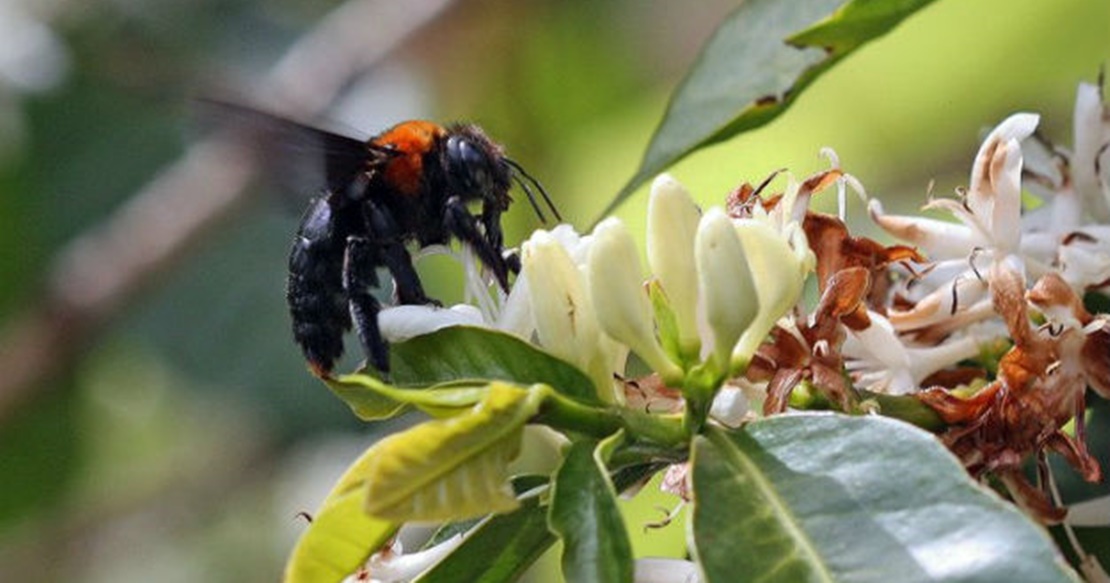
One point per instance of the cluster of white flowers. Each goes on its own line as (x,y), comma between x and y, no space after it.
(1069,235)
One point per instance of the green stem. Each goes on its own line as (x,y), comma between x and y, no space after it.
(906,408)
(698,388)
(565,414)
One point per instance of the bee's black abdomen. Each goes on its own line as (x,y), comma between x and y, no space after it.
(317,301)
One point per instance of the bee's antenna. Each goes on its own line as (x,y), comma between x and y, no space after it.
(523,178)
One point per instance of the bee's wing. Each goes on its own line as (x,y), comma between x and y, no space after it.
(303,158)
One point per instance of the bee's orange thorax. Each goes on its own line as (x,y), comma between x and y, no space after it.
(410,140)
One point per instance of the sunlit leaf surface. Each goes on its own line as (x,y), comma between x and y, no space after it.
(823,497)
(338,541)
(453,468)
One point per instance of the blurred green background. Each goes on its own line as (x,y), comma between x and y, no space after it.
(177,436)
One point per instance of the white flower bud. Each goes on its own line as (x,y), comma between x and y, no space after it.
(618,296)
(672,224)
(559,302)
(726,282)
(661,570)
(779,263)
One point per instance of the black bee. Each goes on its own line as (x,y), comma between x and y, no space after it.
(409,184)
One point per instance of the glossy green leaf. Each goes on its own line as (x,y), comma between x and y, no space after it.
(585,515)
(453,468)
(499,549)
(464,352)
(360,393)
(341,535)
(372,399)
(826,497)
(755,65)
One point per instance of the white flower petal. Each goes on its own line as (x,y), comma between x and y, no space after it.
(401,568)
(564,321)
(994,157)
(658,570)
(779,262)
(1092,132)
(938,239)
(399,323)
(672,225)
(622,306)
(728,291)
(730,406)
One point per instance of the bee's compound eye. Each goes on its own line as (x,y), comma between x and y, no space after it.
(468,164)
(464,152)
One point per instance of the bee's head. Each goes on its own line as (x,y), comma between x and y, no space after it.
(474,167)
(478,167)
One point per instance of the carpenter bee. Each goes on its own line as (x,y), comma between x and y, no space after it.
(409,185)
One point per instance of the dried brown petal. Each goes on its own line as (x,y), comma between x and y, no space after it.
(779,389)
(1051,291)
(1030,499)
(955,410)
(836,250)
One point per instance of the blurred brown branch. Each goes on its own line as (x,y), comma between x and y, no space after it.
(109,265)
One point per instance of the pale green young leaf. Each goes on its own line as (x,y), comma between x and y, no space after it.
(340,538)
(360,393)
(371,398)
(453,468)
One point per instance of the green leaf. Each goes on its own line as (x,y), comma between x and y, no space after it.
(360,393)
(755,66)
(464,352)
(585,515)
(454,468)
(339,540)
(499,549)
(371,399)
(341,535)
(826,497)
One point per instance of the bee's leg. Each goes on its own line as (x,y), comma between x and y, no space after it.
(359,278)
(512,261)
(463,225)
(491,221)
(387,234)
